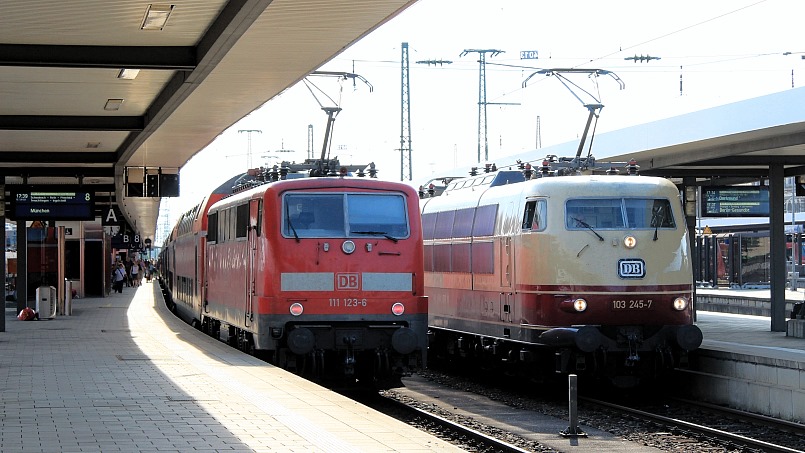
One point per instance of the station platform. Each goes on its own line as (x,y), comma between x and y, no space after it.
(123,374)
(754,327)
(741,362)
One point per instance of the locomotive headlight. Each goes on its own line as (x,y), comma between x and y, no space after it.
(297,309)
(577,305)
(348,247)
(629,242)
(680,303)
(397,309)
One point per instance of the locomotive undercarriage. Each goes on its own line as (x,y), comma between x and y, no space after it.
(378,353)
(352,353)
(626,360)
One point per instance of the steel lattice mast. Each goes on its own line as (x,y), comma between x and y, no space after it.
(310,141)
(249,133)
(405,117)
(482,129)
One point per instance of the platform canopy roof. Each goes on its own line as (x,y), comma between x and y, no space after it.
(730,143)
(70,115)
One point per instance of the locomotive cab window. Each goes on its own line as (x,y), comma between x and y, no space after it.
(535,215)
(618,213)
(648,213)
(344,215)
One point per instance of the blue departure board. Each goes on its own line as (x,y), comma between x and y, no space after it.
(51,203)
(735,201)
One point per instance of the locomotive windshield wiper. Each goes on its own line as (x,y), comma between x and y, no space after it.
(657,221)
(290,224)
(378,233)
(587,225)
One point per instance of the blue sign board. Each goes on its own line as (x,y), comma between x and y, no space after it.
(735,201)
(51,203)
(529,54)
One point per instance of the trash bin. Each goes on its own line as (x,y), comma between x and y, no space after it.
(68,297)
(46,301)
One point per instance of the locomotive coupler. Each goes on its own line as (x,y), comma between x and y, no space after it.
(382,361)
(632,358)
(349,358)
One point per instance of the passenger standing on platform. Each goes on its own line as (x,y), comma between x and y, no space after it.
(120,277)
(135,273)
(128,272)
(142,273)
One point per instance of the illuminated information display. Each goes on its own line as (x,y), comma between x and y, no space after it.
(735,201)
(52,204)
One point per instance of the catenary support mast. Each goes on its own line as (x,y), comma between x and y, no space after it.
(482,129)
(405,117)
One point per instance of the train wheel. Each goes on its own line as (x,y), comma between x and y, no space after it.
(241,340)
(232,338)
(250,349)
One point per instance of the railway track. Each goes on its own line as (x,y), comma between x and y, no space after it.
(454,431)
(667,425)
(732,422)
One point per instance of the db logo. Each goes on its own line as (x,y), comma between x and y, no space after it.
(347,281)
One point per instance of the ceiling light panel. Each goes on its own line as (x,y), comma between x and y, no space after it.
(128,74)
(113,104)
(156,16)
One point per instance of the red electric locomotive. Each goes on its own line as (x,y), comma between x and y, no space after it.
(587,274)
(322,275)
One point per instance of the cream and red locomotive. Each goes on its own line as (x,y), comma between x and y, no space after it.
(587,274)
(322,275)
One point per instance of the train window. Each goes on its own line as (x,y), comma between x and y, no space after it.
(483,257)
(242,220)
(535,215)
(259,217)
(232,223)
(223,216)
(212,227)
(618,213)
(377,214)
(344,215)
(444,224)
(223,221)
(441,258)
(649,213)
(428,225)
(485,217)
(462,224)
(227,225)
(599,213)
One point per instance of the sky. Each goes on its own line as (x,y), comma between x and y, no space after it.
(704,54)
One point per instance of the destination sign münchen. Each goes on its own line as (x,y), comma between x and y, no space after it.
(52,205)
